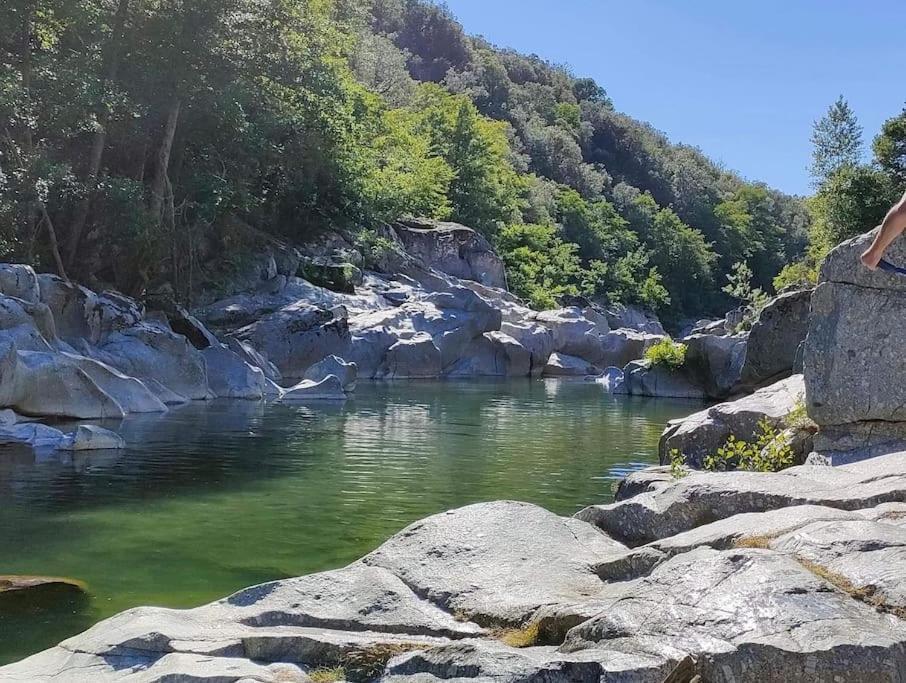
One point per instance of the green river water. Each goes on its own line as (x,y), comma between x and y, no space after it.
(213,497)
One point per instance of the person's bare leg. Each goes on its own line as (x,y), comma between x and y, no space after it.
(892,227)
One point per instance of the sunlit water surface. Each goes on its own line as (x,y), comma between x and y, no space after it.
(212,497)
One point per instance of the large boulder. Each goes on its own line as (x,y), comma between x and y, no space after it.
(167,363)
(535,338)
(642,378)
(715,362)
(564,365)
(296,337)
(574,333)
(775,338)
(19,281)
(634,318)
(855,375)
(230,376)
(453,249)
(494,354)
(622,346)
(702,433)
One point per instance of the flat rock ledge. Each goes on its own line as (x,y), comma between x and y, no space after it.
(796,576)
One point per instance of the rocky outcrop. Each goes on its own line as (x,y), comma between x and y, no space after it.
(855,375)
(775,337)
(702,433)
(453,249)
(777,578)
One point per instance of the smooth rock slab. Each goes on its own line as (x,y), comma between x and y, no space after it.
(497,562)
(704,497)
(751,615)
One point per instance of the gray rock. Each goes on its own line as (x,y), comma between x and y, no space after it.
(702,433)
(574,334)
(229,376)
(296,337)
(496,561)
(634,318)
(151,352)
(92,438)
(620,347)
(535,338)
(334,365)
(328,389)
(453,249)
(564,365)
(645,379)
(775,338)
(19,281)
(748,614)
(716,361)
(703,497)
(493,354)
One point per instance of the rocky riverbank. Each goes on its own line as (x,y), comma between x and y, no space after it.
(795,576)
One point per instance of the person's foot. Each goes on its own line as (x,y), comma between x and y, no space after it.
(870,259)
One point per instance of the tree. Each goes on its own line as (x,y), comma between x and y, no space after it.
(890,147)
(837,141)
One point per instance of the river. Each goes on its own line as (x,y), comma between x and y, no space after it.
(216,496)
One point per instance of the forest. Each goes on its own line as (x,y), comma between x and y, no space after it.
(134,134)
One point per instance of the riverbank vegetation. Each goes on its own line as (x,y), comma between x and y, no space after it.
(132,135)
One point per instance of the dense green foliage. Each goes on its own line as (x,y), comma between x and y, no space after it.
(137,136)
(852,197)
(667,353)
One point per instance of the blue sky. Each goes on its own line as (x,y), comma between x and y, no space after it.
(741,80)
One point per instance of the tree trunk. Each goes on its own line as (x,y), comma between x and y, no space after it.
(54,246)
(31,213)
(77,228)
(159,180)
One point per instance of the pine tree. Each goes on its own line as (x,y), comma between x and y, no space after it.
(837,137)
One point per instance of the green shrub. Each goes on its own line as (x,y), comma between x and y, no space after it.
(766,453)
(667,353)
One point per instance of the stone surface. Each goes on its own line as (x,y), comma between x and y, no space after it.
(703,497)
(230,376)
(564,365)
(775,338)
(496,561)
(715,362)
(645,379)
(296,337)
(328,389)
(92,438)
(453,249)
(702,433)
(334,365)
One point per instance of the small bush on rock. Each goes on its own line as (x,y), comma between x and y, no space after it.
(766,453)
(667,353)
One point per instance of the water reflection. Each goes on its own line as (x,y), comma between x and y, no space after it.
(215,496)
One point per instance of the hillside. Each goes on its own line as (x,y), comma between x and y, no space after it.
(135,135)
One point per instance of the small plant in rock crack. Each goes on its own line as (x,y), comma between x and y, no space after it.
(678,468)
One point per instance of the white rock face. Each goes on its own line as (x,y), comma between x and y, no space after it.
(334,365)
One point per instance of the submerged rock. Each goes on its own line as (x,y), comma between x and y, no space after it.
(328,389)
